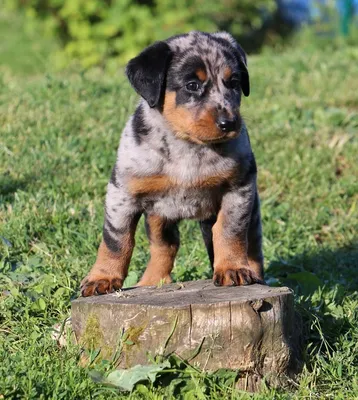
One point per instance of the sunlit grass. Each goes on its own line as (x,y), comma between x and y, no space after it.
(58,140)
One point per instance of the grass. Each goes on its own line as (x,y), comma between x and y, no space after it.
(58,140)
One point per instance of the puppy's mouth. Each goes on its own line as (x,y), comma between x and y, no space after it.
(208,141)
(221,139)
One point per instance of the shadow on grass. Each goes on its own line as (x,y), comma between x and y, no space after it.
(9,186)
(326,290)
(325,267)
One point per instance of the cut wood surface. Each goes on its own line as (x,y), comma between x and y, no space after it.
(250,328)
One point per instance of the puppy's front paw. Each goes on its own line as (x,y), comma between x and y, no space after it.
(95,285)
(233,276)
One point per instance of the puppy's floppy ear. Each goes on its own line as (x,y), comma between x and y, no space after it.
(147,71)
(241,55)
(245,79)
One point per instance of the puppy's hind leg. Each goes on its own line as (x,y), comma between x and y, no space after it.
(206,228)
(164,240)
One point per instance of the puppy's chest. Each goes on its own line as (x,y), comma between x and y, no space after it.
(188,185)
(183,203)
(197,164)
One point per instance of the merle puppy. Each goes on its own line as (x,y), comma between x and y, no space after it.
(185,153)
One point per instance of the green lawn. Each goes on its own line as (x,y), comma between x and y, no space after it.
(58,139)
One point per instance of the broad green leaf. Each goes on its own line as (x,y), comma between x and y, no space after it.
(126,379)
(42,304)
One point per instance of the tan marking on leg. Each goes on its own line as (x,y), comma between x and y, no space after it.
(162,254)
(231,264)
(110,269)
(230,251)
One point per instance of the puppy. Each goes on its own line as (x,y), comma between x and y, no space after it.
(185,153)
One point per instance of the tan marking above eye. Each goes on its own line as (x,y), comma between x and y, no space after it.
(201,74)
(227,73)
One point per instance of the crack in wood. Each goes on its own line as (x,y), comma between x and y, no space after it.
(230,322)
(190,325)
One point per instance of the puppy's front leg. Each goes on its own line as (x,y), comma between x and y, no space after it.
(232,259)
(115,251)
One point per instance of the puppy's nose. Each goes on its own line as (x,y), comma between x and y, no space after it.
(226,124)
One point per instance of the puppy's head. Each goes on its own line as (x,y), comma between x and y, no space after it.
(196,81)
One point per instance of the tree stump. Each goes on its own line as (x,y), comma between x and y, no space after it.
(252,329)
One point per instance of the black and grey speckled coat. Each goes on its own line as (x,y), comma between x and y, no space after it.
(185,153)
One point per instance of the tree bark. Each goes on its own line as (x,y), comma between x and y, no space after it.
(253,329)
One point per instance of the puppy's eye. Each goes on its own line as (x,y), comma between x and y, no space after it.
(192,86)
(234,83)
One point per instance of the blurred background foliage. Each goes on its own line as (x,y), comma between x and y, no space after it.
(110,32)
(113,31)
